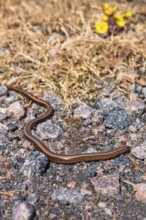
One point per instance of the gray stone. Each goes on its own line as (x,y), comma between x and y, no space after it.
(140,151)
(13,98)
(134,106)
(3,90)
(35,165)
(47,130)
(109,89)
(3,51)
(3,129)
(2,116)
(67,196)
(2,99)
(108,184)
(144,91)
(106,105)
(33,198)
(53,99)
(17,108)
(118,119)
(136,126)
(102,205)
(91,171)
(83,111)
(23,211)
(97,119)
(30,115)
(138,89)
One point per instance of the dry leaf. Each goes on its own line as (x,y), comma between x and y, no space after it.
(11,193)
(137,186)
(136,165)
(141,82)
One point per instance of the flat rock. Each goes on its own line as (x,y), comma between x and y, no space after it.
(35,165)
(132,106)
(67,196)
(140,151)
(109,89)
(83,111)
(117,119)
(47,130)
(106,105)
(17,108)
(3,129)
(141,193)
(52,98)
(23,211)
(2,99)
(108,184)
(97,119)
(144,91)
(3,90)
(12,98)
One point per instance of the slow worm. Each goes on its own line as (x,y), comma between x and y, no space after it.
(40,146)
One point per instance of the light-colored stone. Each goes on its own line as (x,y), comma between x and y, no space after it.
(108,184)
(134,106)
(140,151)
(48,129)
(141,193)
(17,109)
(23,211)
(83,111)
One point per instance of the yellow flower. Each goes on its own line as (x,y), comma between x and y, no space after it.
(121,22)
(118,16)
(127,14)
(102,27)
(124,15)
(105,18)
(105,6)
(110,11)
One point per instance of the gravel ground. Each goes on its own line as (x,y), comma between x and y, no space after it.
(38,189)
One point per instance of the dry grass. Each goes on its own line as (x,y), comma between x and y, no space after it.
(52,45)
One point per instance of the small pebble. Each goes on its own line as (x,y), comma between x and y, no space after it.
(141,193)
(98,119)
(3,90)
(140,151)
(101,204)
(52,98)
(108,184)
(67,196)
(133,106)
(35,165)
(3,129)
(138,89)
(2,99)
(106,105)
(48,129)
(13,98)
(30,115)
(109,89)
(83,111)
(118,119)
(33,198)
(23,211)
(144,91)
(17,108)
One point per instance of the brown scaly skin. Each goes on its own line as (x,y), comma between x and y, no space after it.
(63,159)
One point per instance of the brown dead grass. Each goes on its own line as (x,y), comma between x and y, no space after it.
(52,45)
